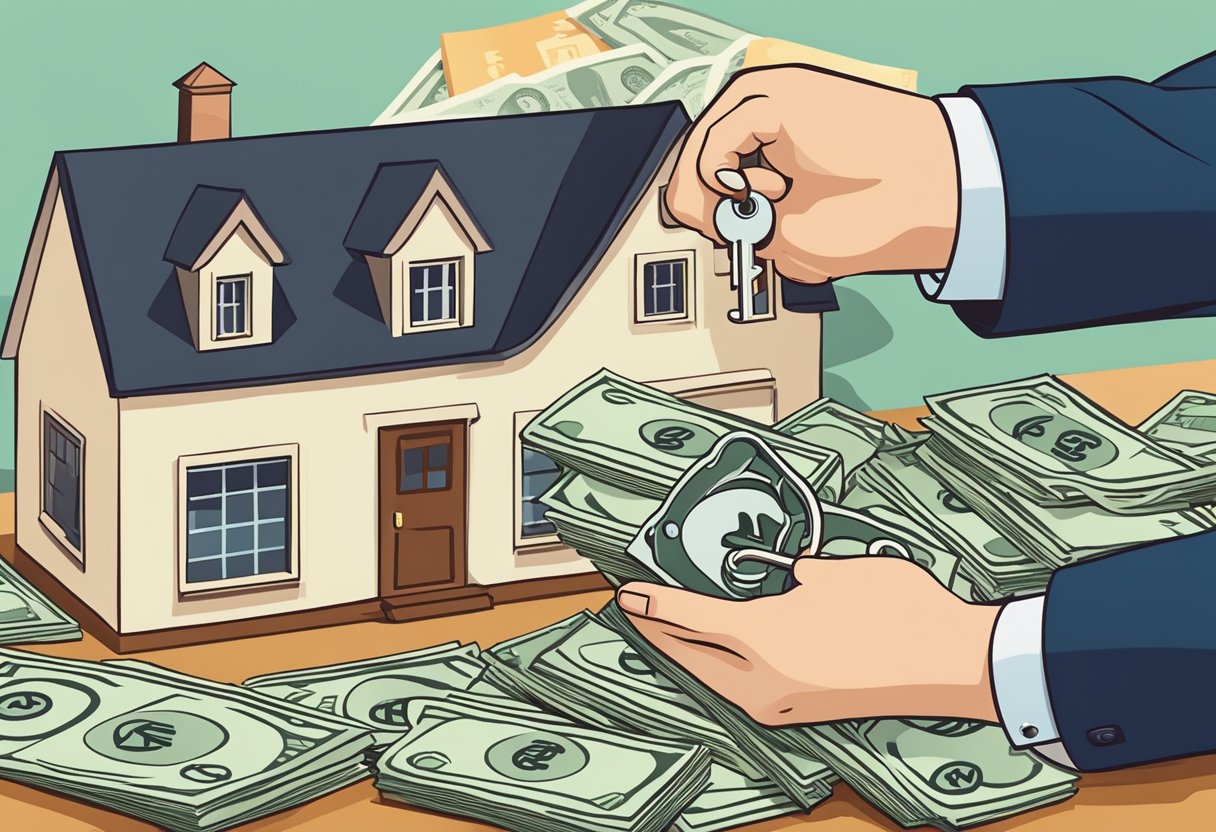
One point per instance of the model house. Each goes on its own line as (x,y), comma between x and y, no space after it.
(273,382)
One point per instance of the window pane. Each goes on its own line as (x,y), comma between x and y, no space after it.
(272,560)
(239,508)
(204,570)
(240,566)
(537,461)
(273,472)
(411,469)
(202,544)
(238,539)
(238,478)
(238,314)
(203,514)
(270,534)
(538,483)
(437,456)
(204,482)
(437,478)
(434,305)
(449,295)
(61,483)
(416,303)
(272,503)
(411,482)
(677,291)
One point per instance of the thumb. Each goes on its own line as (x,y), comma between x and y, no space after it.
(669,605)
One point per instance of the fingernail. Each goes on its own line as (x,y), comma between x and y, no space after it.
(634,602)
(731,179)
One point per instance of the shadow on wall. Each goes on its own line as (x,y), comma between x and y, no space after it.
(857,330)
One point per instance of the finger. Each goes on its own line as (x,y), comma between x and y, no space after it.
(691,612)
(709,663)
(765,181)
(740,131)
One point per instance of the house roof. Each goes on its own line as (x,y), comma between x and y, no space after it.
(205,215)
(397,190)
(204,76)
(551,190)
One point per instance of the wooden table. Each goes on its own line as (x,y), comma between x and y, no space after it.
(1177,796)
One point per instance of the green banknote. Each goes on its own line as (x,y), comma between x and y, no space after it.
(375,692)
(642,440)
(944,773)
(684,81)
(175,750)
(829,424)
(1186,423)
(670,29)
(26,615)
(1044,440)
(525,770)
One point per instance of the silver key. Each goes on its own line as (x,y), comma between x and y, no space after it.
(743,223)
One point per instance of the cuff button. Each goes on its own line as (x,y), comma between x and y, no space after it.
(1029,731)
(1106,735)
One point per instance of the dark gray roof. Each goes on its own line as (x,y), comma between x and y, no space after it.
(395,189)
(206,210)
(550,190)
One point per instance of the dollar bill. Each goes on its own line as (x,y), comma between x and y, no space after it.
(945,773)
(684,81)
(178,751)
(1186,423)
(674,31)
(375,692)
(642,440)
(26,615)
(525,770)
(602,80)
(829,424)
(428,86)
(476,57)
(1042,439)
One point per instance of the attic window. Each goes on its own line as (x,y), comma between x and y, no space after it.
(435,293)
(232,306)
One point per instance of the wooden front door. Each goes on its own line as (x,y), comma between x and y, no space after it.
(423,509)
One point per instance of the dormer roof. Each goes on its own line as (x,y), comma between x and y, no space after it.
(396,200)
(210,217)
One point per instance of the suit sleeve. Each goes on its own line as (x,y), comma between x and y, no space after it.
(1110,192)
(1130,654)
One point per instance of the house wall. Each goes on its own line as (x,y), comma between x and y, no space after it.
(59,367)
(335,423)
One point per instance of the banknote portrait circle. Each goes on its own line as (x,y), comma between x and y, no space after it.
(382,700)
(537,756)
(958,777)
(1063,439)
(525,100)
(677,437)
(31,709)
(156,737)
(635,78)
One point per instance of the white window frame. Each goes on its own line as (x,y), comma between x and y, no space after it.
(219,305)
(48,522)
(689,258)
(452,267)
(530,543)
(292,529)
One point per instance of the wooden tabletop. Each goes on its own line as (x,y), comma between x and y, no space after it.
(1177,796)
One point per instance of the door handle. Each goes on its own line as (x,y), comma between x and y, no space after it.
(398,520)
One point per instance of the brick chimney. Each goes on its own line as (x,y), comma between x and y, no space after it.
(204,105)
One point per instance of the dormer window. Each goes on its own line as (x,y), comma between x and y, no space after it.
(232,306)
(225,258)
(420,242)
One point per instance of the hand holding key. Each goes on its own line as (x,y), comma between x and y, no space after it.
(862,177)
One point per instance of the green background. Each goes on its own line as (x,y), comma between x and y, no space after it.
(94,73)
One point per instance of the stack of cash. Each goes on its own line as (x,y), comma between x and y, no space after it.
(1185,423)
(601,53)
(181,752)
(27,616)
(518,767)
(584,670)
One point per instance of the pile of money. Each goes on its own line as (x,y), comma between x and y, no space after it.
(181,752)
(518,767)
(1185,423)
(601,53)
(27,616)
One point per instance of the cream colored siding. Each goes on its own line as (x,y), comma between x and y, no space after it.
(59,369)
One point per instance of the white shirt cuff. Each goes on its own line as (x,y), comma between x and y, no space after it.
(977,266)
(1019,680)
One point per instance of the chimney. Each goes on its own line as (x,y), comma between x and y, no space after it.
(204,105)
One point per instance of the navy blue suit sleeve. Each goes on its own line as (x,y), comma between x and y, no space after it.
(1130,654)
(1110,189)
